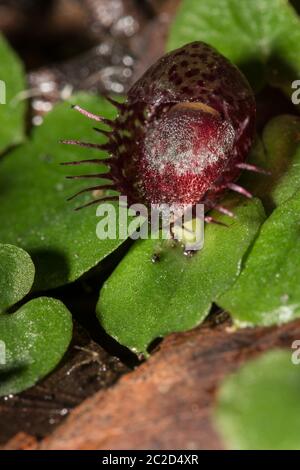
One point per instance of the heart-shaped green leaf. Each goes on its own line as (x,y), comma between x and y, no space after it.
(259,407)
(175,293)
(32,342)
(16,275)
(268,289)
(34,213)
(261,36)
(278,152)
(12,108)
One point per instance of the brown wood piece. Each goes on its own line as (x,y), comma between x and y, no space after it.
(167,402)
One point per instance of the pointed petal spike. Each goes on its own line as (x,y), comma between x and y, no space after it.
(256,169)
(97,201)
(240,190)
(86,113)
(92,188)
(107,134)
(90,115)
(95,175)
(82,162)
(115,103)
(210,220)
(86,144)
(225,211)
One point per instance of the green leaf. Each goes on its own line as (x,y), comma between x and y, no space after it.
(268,289)
(281,139)
(278,152)
(16,275)
(175,293)
(35,339)
(12,112)
(261,36)
(258,407)
(34,213)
